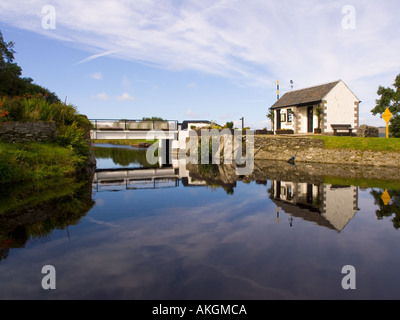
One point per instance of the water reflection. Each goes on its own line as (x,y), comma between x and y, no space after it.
(202,232)
(114,156)
(390,209)
(330,206)
(30,213)
(305,195)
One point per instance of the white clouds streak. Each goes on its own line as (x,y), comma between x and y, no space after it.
(95,56)
(251,42)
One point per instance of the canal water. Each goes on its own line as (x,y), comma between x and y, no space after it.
(200,232)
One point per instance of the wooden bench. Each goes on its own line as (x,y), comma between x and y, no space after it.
(342,127)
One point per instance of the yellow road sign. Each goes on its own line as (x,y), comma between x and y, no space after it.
(387,115)
(386,198)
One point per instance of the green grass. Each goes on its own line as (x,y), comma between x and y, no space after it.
(363,144)
(124,141)
(364,183)
(36,161)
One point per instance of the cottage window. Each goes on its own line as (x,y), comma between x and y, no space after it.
(289,115)
(283,117)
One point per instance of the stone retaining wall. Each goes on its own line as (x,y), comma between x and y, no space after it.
(28,131)
(312,150)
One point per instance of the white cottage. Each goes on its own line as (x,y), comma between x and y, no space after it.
(339,106)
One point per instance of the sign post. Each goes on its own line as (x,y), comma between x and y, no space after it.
(387,115)
(386,198)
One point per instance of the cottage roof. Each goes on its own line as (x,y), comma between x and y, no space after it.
(305,96)
(305,212)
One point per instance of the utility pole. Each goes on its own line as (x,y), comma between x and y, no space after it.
(242,118)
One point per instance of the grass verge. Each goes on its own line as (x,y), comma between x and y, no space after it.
(36,161)
(128,142)
(363,144)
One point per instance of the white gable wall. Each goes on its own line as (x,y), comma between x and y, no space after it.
(340,104)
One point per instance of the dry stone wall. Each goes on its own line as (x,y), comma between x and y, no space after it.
(313,151)
(28,131)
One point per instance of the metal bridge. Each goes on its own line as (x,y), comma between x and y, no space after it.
(110,129)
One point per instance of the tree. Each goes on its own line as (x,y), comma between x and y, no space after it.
(271,116)
(229,125)
(152,119)
(390,98)
(11,82)
(6,52)
(319,113)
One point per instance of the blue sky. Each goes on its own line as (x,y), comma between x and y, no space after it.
(208,59)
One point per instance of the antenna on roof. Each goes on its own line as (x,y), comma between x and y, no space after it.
(291,84)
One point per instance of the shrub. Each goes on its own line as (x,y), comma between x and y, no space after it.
(73,137)
(229,125)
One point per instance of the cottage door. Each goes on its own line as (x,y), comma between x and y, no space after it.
(278,120)
(310,117)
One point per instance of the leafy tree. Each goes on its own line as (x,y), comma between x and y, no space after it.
(390,98)
(152,119)
(6,52)
(11,82)
(229,125)
(271,116)
(319,113)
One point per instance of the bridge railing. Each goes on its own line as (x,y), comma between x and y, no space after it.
(134,125)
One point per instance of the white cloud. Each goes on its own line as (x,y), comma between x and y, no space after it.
(97,76)
(125,97)
(192,85)
(102,96)
(95,56)
(253,42)
(196,115)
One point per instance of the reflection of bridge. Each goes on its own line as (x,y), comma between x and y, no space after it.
(133,179)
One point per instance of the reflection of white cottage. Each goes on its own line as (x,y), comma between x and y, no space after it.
(296,109)
(340,204)
(327,205)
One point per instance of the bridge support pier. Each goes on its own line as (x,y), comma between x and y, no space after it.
(165,154)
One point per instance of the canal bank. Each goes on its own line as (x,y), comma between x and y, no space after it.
(35,151)
(316,150)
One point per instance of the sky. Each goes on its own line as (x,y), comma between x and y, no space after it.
(216,60)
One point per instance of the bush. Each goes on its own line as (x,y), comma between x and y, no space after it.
(14,108)
(73,137)
(229,125)
(37,108)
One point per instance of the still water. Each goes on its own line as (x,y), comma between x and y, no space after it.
(201,232)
